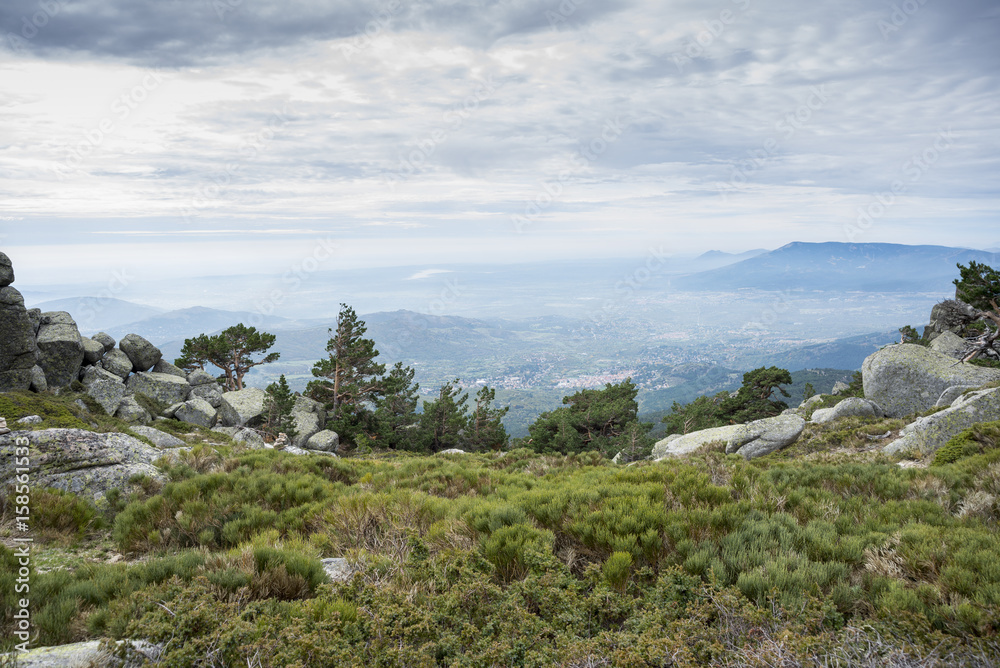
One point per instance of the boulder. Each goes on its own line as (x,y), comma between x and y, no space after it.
(952,393)
(197,411)
(762,437)
(30,419)
(292,450)
(80,461)
(850,407)
(950,315)
(17,342)
(143,354)
(200,377)
(60,348)
(163,387)
(93,350)
(950,344)
(337,569)
(307,405)
(163,366)
(906,378)
(160,439)
(680,445)
(93,373)
(839,387)
(6,270)
(243,435)
(169,413)
(117,363)
(242,407)
(108,393)
(105,340)
(89,653)
(129,410)
(324,441)
(306,426)
(38,382)
(929,433)
(808,403)
(210,392)
(459,451)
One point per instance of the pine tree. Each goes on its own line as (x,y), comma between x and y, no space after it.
(753,400)
(443,423)
(232,351)
(396,410)
(278,409)
(979,285)
(486,430)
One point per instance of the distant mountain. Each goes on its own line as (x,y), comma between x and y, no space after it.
(840,267)
(185,323)
(714,259)
(94,313)
(847,353)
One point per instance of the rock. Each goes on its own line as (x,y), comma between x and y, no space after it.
(281,442)
(457,451)
(306,425)
(243,435)
(3,426)
(105,340)
(160,439)
(907,378)
(200,377)
(163,387)
(927,434)
(952,393)
(850,407)
(95,373)
(30,419)
(808,403)
(163,366)
(765,436)
(324,441)
(80,461)
(307,405)
(129,410)
(93,350)
(211,393)
(117,363)
(680,445)
(79,403)
(17,342)
(839,386)
(89,653)
(169,413)
(35,318)
(38,382)
(6,270)
(197,411)
(950,315)
(143,354)
(242,407)
(292,450)
(60,348)
(338,570)
(108,393)
(950,344)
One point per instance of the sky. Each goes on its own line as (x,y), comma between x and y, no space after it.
(201,137)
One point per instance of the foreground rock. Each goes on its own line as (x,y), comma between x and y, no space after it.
(675,445)
(927,434)
(88,654)
(197,411)
(17,340)
(60,348)
(850,407)
(762,437)
(242,408)
(907,378)
(80,461)
(324,441)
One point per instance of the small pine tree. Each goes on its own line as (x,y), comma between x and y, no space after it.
(443,423)
(278,407)
(808,391)
(486,430)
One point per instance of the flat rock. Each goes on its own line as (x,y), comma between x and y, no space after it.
(242,407)
(80,461)
(197,411)
(117,362)
(762,437)
(160,439)
(675,444)
(292,450)
(143,354)
(324,441)
(89,653)
(250,437)
(850,407)
(60,348)
(29,419)
(108,393)
(929,433)
(93,373)
(459,451)
(163,387)
(906,378)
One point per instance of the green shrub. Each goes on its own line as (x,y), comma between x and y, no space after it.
(969,442)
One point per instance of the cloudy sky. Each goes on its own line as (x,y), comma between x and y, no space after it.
(216,136)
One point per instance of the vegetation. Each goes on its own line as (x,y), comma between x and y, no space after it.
(979,285)
(278,409)
(232,351)
(753,401)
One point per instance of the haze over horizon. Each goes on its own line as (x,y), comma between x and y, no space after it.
(181,139)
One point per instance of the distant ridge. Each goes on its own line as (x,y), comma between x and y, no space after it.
(97,312)
(843,267)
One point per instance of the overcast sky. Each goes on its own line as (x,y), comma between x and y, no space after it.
(213,136)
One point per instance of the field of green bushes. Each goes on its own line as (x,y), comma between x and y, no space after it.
(826,554)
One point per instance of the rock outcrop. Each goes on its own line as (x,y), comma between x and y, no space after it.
(60,348)
(762,437)
(242,408)
(950,315)
(927,434)
(18,351)
(680,445)
(907,378)
(309,418)
(850,407)
(950,344)
(164,387)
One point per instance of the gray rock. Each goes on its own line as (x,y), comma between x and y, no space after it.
(324,441)
(839,387)
(89,653)
(243,435)
(60,348)
(93,350)
(129,410)
(29,419)
(808,403)
(307,405)
(338,570)
(210,392)
(143,354)
(108,393)
(850,407)
(950,344)
(163,366)
(907,378)
(160,439)
(952,393)
(306,425)
(80,461)
(292,450)
(762,437)
(200,377)
(105,340)
(675,444)
(950,315)
(6,271)
(17,342)
(35,318)
(927,434)
(94,373)
(197,411)
(169,413)
(38,382)
(163,387)
(459,451)
(242,407)
(117,363)
(82,405)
